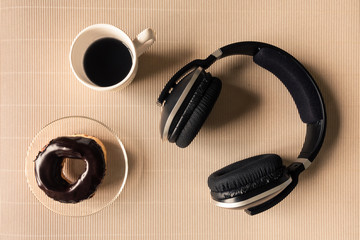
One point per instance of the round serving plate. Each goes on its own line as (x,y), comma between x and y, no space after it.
(116,165)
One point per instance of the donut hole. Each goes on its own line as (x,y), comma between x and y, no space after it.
(72,169)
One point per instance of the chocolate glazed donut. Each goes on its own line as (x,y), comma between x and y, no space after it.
(49,164)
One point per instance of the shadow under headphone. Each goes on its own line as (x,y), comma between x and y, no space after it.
(260,182)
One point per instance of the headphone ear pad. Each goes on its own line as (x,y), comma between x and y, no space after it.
(200,114)
(246,175)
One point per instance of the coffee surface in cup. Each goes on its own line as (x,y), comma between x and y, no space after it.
(107,62)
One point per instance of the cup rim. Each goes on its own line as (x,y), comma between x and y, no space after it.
(129,77)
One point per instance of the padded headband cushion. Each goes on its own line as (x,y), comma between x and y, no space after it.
(200,113)
(246,174)
(296,79)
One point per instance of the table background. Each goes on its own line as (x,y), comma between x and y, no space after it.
(166,196)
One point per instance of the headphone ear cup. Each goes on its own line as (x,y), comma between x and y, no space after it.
(244,176)
(204,81)
(200,114)
(172,100)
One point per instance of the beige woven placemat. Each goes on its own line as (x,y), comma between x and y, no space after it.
(166,196)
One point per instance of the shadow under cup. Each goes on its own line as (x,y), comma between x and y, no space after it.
(103,57)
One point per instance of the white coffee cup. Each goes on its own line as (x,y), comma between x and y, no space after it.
(95,32)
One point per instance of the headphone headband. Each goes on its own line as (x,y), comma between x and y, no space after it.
(292,74)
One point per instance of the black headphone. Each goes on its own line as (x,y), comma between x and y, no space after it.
(257,183)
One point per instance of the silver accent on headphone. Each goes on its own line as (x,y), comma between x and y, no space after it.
(159,104)
(255,200)
(179,102)
(217,53)
(304,161)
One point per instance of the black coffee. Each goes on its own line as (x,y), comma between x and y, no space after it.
(107,62)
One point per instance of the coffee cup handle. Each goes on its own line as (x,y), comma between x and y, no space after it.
(144,40)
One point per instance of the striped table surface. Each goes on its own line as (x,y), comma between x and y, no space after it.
(166,195)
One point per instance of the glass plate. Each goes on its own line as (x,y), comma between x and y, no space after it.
(116,165)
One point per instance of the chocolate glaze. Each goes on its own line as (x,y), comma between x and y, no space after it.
(48,168)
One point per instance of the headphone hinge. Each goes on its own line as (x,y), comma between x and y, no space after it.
(295,169)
